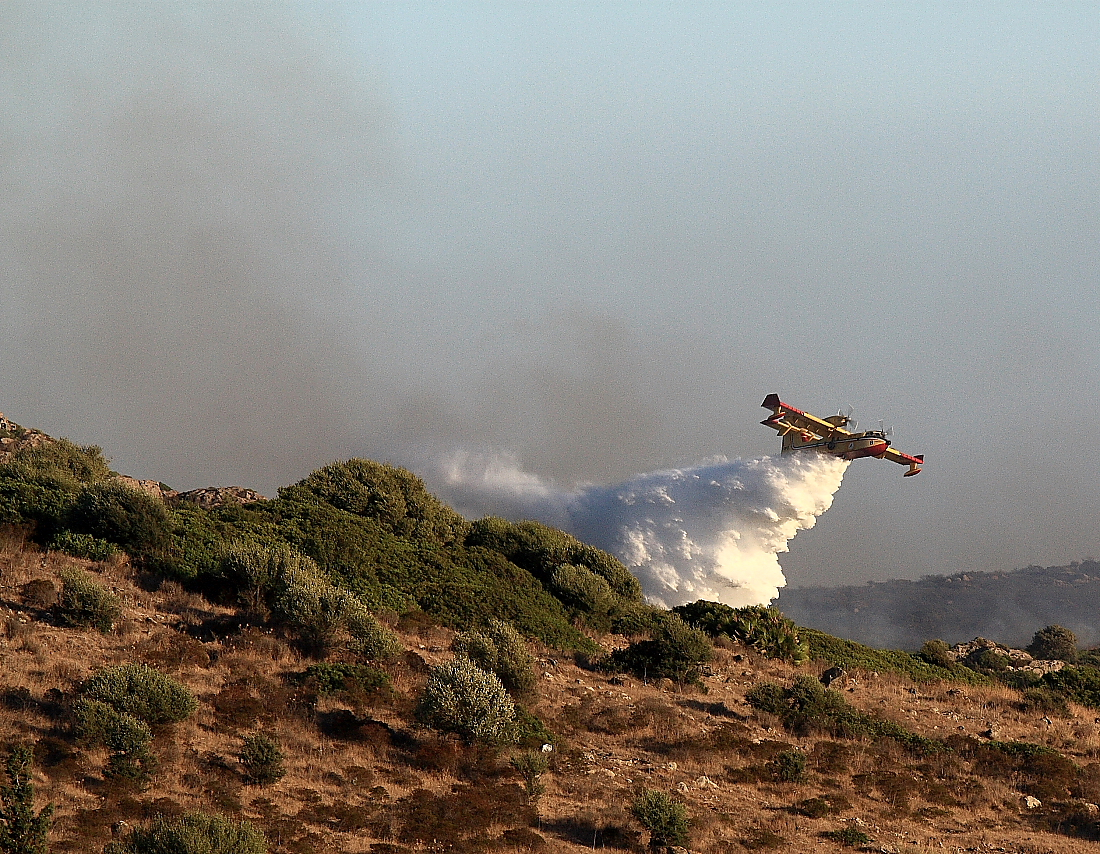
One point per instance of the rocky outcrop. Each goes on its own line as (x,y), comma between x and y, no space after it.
(1017,659)
(215,496)
(13,437)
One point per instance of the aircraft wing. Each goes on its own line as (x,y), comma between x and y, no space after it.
(787,419)
(914,462)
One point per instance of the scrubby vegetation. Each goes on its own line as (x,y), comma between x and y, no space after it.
(763,629)
(194,833)
(352,667)
(84,601)
(500,649)
(674,651)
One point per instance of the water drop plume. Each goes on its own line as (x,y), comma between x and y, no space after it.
(713,530)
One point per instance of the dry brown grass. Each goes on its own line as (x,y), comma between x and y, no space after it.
(361,776)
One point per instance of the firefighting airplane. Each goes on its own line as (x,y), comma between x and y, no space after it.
(804,432)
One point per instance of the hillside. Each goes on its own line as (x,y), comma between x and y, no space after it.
(191,653)
(1009,606)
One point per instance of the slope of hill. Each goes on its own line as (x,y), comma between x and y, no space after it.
(1008,606)
(158,678)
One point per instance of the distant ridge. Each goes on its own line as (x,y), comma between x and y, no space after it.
(1009,606)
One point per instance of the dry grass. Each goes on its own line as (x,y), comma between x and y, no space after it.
(360,776)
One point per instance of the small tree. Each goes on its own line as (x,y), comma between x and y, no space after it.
(1056,643)
(676,650)
(666,819)
(937,652)
(531,766)
(22,831)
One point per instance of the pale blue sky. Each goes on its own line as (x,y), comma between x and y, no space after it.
(592,235)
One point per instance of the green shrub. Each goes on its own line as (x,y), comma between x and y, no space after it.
(541,549)
(807,706)
(1080,684)
(394,497)
(39,483)
(100,724)
(587,593)
(85,602)
(764,629)
(849,837)
(22,830)
(83,546)
(367,637)
(121,514)
(502,650)
(769,697)
(531,765)
(196,833)
(290,588)
(263,759)
(312,607)
(333,677)
(937,652)
(666,819)
(143,692)
(462,698)
(59,459)
(676,651)
(988,661)
(255,571)
(789,766)
(1054,643)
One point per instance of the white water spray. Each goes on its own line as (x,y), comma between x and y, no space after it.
(710,531)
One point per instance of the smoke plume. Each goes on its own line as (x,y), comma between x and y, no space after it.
(712,531)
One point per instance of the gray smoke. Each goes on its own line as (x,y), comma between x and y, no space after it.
(174,237)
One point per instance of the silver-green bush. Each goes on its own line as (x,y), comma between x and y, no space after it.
(502,650)
(290,588)
(86,602)
(462,698)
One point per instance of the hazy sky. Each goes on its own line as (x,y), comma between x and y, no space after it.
(238,241)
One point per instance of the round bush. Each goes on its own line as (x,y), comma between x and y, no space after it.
(463,699)
(143,692)
(502,650)
(85,602)
(788,766)
(262,759)
(1054,643)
